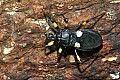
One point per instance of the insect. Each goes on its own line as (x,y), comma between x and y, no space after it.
(79,43)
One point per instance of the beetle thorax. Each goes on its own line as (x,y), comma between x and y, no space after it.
(65,38)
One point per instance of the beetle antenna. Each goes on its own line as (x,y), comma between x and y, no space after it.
(51,22)
(65,22)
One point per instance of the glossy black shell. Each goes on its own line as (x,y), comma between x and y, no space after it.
(91,42)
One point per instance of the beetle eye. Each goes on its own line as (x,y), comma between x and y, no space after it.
(49,35)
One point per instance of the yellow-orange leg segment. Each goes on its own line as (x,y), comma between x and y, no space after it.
(59,54)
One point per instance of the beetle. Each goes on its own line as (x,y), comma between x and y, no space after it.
(79,43)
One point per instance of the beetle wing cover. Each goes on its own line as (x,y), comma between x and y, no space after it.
(89,40)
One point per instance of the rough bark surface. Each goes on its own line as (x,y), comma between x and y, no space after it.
(22,29)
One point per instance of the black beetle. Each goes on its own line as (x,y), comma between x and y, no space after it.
(79,43)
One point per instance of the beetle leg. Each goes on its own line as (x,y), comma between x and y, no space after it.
(59,57)
(77,63)
(59,52)
(97,20)
(84,22)
(90,64)
(51,51)
(77,58)
(50,44)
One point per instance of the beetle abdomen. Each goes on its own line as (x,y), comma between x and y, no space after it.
(89,40)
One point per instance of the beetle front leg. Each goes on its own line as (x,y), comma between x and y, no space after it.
(51,51)
(60,54)
(48,45)
(59,57)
